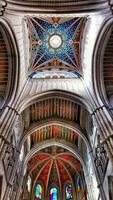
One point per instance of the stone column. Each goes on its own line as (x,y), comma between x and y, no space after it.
(20,185)
(104,122)
(8,118)
(7,192)
(100,185)
(15,158)
(6,131)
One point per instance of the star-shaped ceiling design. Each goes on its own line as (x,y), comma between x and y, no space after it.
(55,43)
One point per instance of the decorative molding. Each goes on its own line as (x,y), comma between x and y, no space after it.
(48,6)
(98,55)
(13,109)
(13,61)
(98,109)
(3,4)
(101,160)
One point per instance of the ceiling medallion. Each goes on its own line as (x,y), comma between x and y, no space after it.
(55,41)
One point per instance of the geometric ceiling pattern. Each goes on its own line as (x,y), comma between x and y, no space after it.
(55,167)
(55,107)
(55,42)
(54,131)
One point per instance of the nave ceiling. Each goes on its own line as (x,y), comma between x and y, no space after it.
(54,165)
(55,92)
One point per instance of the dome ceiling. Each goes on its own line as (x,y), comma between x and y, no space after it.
(55,43)
(50,166)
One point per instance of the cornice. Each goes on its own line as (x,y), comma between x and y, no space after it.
(53,6)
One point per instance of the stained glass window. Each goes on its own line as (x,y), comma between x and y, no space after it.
(53,194)
(78,184)
(38,192)
(68,191)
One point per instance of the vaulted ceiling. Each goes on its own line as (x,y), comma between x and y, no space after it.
(57,46)
(55,108)
(55,43)
(54,165)
(54,131)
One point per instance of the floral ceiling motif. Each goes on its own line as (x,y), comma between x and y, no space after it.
(55,43)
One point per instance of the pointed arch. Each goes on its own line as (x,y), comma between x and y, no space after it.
(68,191)
(9,66)
(38,191)
(53,193)
(98,64)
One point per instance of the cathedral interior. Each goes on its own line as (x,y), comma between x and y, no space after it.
(56,99)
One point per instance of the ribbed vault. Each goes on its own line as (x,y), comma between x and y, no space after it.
(54,131)
(55,107)
(55,44)
(54,166)
(50,124)
(9,61)
(57,88)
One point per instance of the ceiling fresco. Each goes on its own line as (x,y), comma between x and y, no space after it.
(55,43)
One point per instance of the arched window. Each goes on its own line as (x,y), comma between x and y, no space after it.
(53,194)
(38,192)
(68,191)
(78,184)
